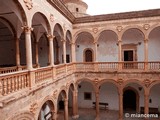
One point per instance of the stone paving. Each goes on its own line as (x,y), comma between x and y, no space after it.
(90,114)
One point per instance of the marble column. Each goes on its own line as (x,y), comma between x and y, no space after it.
(64,51)
(37,56)
(146,53)
(73,49)
(146,102)
(75,105)
(51,49)
(66,109)
(97,105)
(120,54)
(95,47)
(17,53)
(28,44)
(120,104)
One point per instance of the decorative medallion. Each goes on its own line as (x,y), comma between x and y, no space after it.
(51,17)
(33,108)
(96,80)
(55,94)
(119,28)
(146,26)
(95,30)
(147,83)
(29,4)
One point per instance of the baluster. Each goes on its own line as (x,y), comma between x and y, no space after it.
(4,87)
(9,85)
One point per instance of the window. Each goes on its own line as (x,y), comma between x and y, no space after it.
(87,96)
(77,10)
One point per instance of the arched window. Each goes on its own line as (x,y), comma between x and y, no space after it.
(88,55)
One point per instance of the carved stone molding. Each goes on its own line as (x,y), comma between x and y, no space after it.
(29,4)
(119,28)
(52,18)
(96,80)
(147,83)
(95,30)
(146,26)
(55,94)
(33,108)
(120,81)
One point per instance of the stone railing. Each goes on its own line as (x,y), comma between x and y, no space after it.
(16,81)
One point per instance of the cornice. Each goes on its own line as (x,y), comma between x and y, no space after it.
(62,9)
(118,16)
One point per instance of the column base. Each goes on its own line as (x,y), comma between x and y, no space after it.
(75,116)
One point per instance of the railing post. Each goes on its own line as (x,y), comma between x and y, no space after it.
(32,79)
(96,67)
(120,66)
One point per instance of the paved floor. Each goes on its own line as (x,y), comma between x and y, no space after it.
(90,114)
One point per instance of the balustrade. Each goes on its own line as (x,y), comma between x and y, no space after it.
(12,82)
(18,80)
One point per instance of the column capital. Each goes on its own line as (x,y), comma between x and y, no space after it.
(63,40)
(27,29)
(95,42)
(119,41)
(50,37)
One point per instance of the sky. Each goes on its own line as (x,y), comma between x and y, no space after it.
(96,7)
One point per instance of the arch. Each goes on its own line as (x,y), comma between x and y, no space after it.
(129,88)
(103,30)
(58,31)
(9,25)
(22,12)
(23,116)
(68,36)
(75,36)
(129,81)
(88,55)
(151,29)
(156,82)
(109,81)
(132,27)
(47,27)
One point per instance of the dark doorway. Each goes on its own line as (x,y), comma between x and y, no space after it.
(88,56)
(67,58)
(128,55)
(129,100)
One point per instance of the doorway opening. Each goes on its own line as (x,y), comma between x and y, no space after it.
(129,100)
(128,55)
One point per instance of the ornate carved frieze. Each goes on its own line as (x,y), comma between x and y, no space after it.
(29,4)
(33,108)
(120,81)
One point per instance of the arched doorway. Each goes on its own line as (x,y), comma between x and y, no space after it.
(88,55)
(129,100)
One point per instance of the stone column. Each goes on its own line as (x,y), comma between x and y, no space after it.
(28,44)
(120,104)
(17,53)
(146,102)
(75,105)
(51,49)
(95,55)
(64,51)
(37,56)
(73,49)
(97,105)
(66,109)
(146,53)
(120,54)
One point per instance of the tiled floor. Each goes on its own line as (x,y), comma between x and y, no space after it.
(90,114)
